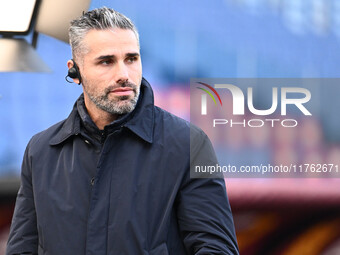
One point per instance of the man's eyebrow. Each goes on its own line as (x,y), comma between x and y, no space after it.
(134,54)
(105,57)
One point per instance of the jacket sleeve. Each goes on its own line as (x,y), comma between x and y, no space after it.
(204,214)
(23,237)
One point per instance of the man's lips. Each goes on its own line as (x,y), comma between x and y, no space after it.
(122,91)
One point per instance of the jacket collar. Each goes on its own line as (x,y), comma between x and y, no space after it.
(140,121)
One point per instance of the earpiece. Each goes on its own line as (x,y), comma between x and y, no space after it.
(73,73)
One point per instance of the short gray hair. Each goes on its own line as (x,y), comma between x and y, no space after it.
(99,19)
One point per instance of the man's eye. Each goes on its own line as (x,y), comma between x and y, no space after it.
(132,59)
(105,62)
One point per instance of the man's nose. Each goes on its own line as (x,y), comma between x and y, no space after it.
(121,72)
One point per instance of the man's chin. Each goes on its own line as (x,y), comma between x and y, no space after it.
(123,106)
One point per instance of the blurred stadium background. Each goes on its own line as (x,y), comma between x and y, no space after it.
(217,38)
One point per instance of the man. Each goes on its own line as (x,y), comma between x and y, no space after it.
(114,177)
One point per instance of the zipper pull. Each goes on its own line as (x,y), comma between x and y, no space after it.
(103,136)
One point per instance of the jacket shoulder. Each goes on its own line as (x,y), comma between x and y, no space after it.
(183,129)
(170,119)
(43,138)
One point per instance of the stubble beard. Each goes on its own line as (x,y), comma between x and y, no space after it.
(117,106)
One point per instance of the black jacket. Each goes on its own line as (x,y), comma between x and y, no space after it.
(127,191)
